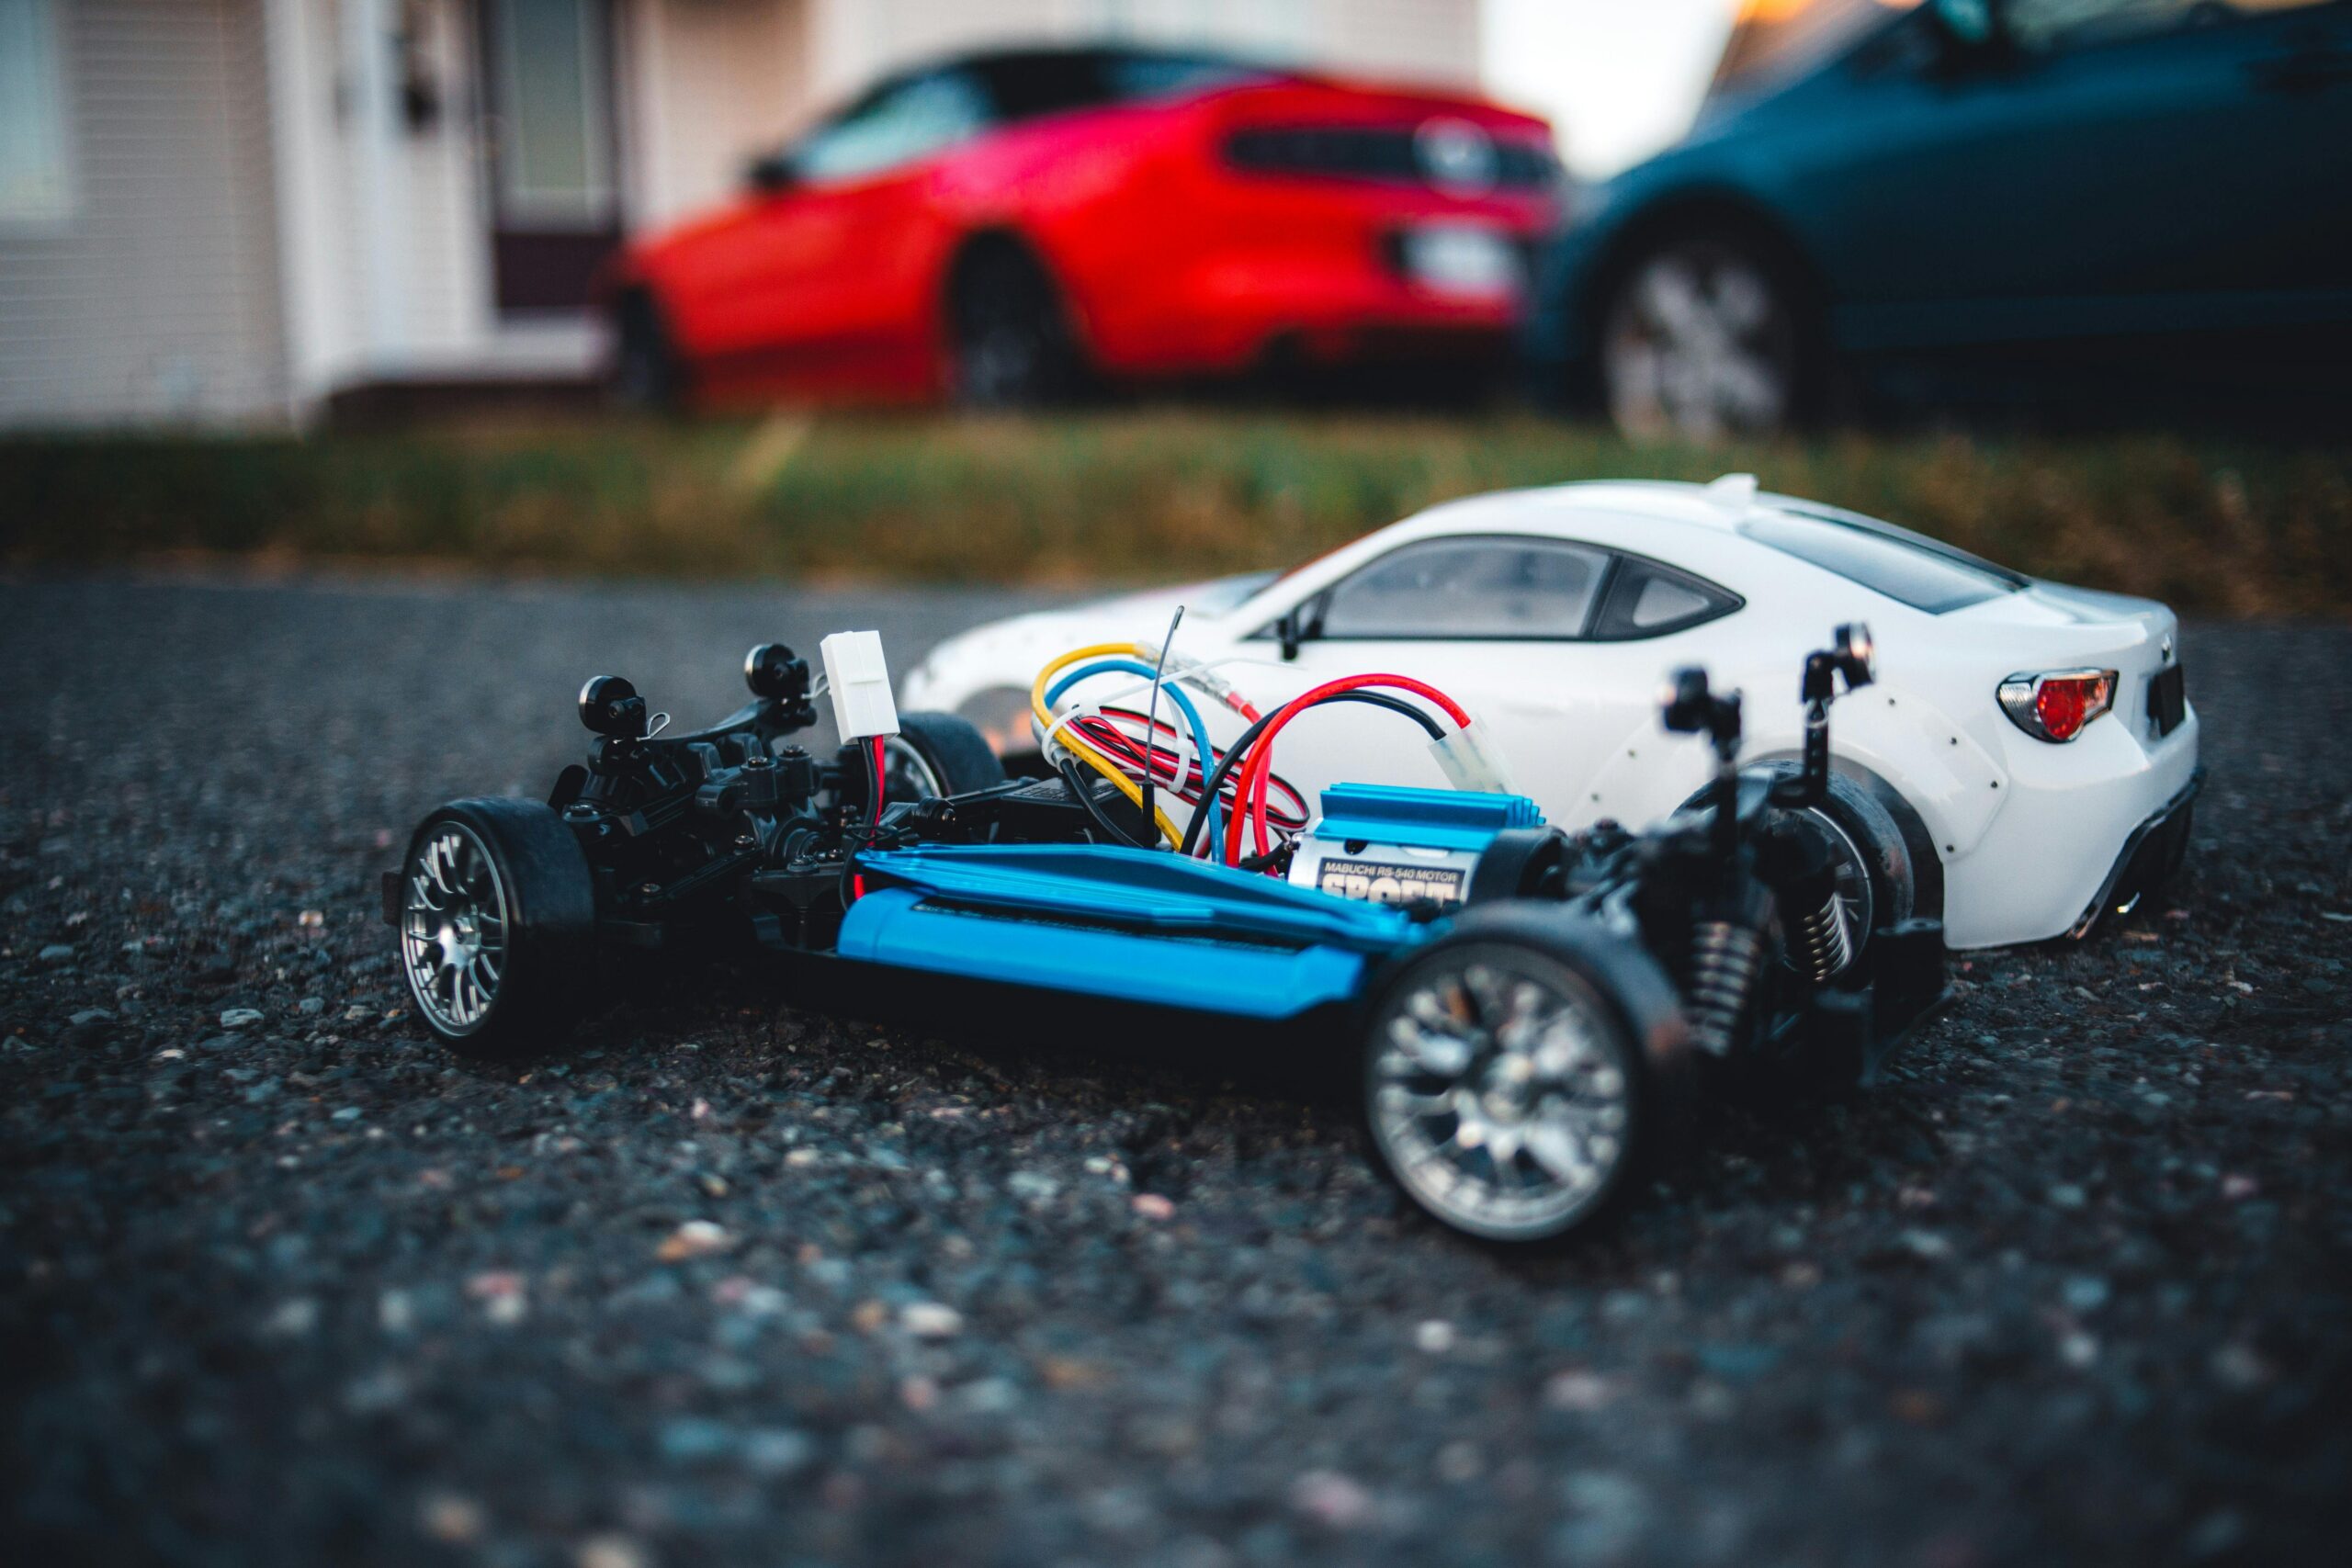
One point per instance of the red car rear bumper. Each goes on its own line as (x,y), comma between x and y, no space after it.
(1237,308)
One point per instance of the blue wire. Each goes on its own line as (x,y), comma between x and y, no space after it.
(1183,705)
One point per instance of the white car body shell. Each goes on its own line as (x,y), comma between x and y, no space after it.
(2029,832)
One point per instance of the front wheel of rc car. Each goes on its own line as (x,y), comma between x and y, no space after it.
(1509,1085)
(498,925)
(937,754)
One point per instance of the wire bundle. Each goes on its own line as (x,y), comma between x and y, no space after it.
(1227,790)
(1093,736)
(1118,733)
(1257,779)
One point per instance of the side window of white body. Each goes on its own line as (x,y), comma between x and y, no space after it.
(1469,589)
(1506,588)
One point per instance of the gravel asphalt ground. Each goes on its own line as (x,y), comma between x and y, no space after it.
(733,1282)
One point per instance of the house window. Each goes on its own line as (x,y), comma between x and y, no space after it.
(35,185)
(555,163)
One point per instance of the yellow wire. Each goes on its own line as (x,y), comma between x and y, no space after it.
(1069,738)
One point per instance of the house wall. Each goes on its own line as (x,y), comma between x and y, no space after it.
(707,85)
(155,294)
(389,231)
(262,213)
(382,179)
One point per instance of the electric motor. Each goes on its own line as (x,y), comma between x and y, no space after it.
(1390,845)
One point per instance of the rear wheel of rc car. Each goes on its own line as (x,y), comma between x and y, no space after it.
(1706,335)
(498,922)
(1506,1087)
(1877,863)
(1010,336)
(1877,870)
(937,754)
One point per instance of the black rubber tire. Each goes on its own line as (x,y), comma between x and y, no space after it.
(1622,985)
(1001,714)
(954,750)
(647,374)
(1795,345)
(1010,338)
(550,899)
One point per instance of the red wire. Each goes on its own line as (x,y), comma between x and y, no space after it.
(1258,768)
(857,881)
(1109,738)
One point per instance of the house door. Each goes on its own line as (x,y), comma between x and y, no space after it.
(551,129)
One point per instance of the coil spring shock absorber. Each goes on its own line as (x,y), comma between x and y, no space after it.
(1797,858)
(1726,957)
(1819,946)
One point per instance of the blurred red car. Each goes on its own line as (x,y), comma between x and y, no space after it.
(1012,229)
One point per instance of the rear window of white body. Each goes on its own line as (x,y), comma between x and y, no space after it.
(1908,567)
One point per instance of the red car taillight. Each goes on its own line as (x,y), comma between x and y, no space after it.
(2057,705)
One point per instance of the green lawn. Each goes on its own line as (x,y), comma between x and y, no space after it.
(2214,528)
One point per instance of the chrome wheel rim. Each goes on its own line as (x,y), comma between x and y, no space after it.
(1500,1096)
(454,928)
(1698,344)
(906,774)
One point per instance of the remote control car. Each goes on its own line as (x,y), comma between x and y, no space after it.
(1535,1009)
(2030,745)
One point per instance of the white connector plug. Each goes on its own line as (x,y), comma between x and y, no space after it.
(1470,763)
(858,680)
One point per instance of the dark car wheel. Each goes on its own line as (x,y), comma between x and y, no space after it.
(937,754)
(1705,336)
(1009,333)
(1509,1084)
(646,373)
(498,925)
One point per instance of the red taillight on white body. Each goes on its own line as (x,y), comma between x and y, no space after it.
(2056,704)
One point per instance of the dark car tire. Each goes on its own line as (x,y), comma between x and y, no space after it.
(1635,1029)
(647,374)
(938,754)
(1010,342)
(505,880)
(1707,333)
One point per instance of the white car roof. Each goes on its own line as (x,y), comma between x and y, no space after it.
(1689,525)
(1585,509)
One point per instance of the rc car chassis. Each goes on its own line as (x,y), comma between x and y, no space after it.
(1532,1027)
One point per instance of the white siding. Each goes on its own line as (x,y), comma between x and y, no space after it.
(1434,41)
(253,222)
(157,295)
(707,85)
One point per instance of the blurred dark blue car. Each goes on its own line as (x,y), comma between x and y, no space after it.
(1966,196)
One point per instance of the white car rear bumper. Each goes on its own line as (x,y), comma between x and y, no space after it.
(2068,842)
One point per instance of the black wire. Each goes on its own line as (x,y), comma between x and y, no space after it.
(1076,786)
(1215,780)
(864,839)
